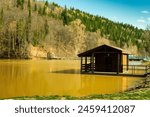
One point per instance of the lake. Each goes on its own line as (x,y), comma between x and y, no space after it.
(56,77)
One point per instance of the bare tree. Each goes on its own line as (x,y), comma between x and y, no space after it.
(146,36)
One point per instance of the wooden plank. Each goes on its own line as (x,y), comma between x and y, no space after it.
(81,64)
(92,64)
(118,64)
(114,74)
(127,62)
(105,52)
(85,64)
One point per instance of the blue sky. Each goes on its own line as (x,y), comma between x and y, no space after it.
(135,12)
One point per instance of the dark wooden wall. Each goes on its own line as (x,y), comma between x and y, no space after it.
(107,62)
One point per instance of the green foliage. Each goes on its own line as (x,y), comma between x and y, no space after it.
(29,4)
(27,30)
(1,17)
(20,32)
(46,27)
(13,40)
(35,40)
(118,32)
(20,3)
(146,40)
(46,3)
(54,4)
(29,16)
(40,10)
(44,10)
(45,7)
(35,7)
(64,16)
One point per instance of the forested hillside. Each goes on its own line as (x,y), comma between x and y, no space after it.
(28,26)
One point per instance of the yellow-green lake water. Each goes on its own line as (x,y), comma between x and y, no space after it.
(56,77)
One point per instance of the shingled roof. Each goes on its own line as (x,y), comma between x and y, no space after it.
(89,52)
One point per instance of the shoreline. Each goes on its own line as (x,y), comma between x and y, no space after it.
(138,94)
(43,58)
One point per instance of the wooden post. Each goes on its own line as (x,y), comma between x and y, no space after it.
(92,62)
(146,69)
(118,65)
(127,62)
(85,64)
(81,64)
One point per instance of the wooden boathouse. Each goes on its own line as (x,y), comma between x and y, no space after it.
(108,60)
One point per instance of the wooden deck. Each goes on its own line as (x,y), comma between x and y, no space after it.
(131,70)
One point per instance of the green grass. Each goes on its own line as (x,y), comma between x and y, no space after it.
(138,94)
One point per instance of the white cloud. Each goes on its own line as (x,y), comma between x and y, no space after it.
(141,20)
(145,12)
(148,20)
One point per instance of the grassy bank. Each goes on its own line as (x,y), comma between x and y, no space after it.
(138,94)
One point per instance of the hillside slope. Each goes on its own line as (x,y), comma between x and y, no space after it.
(50,28)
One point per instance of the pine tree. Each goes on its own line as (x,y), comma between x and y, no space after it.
(46,27)
(29,12)
(44,10)
(40,11)
(45,7)
(1,16)
(22,4)
(29,4)
(29,16)
(18,3)
(27,31)
(64,16)
(35,7)
(20,39)
(46,3)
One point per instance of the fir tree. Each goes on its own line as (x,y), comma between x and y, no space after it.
(29,16)
(46,27)
(35,7)
(45,7)
(29,4)
(64,16)
(18,3)
(22,4)
(44,10)
(1,16)
(40,11)
(46,3)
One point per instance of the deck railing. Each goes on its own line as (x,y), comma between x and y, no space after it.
(126,69)
(136,69)
(148,70)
